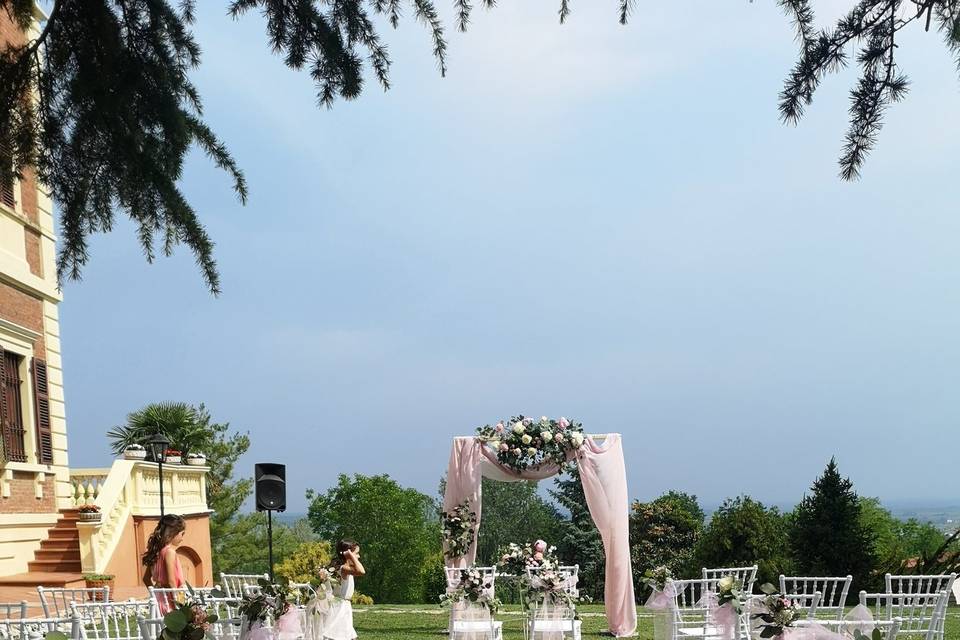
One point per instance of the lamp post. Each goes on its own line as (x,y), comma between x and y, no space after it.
(158,444)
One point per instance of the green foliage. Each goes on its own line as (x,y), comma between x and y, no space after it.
(664,533)
(898,543)
(579,541)
(243,548)
(305,561)
(97,577)
(827,534)
(513,512)
(433,577)
(361,598)
(396,527)
(178,421)
(743,532)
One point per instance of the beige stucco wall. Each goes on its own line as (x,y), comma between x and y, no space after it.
(20,536)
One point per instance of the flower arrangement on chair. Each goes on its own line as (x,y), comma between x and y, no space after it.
(189,620)
(473,588)
(776,613)
(657,578)
(458,526)
(730,592)
(521,442)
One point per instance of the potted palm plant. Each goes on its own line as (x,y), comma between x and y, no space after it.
(188,428)
(88,513)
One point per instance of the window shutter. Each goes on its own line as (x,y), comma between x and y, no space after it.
(41,399)
(6,180)
(4,430)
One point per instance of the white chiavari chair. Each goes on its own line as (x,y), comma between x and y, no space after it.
(833,591)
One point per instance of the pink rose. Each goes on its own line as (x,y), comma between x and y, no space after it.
(538,555)
(504,446)
(563,424)
(499,427)
(540,546)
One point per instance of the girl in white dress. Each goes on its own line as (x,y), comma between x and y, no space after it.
(339,622)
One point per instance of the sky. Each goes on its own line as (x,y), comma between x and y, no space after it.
(602,222)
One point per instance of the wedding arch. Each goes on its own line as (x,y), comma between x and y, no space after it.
(496,454)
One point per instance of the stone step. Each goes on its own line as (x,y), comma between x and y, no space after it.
(43,578)
(54,566)
(70,554)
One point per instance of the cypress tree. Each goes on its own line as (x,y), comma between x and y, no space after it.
(827,534)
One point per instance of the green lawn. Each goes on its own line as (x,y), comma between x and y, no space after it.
(407,622)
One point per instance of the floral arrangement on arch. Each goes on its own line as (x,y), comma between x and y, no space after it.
(189,620)
(516,558)
(459,526)
(522,442)
(473,588)
(776,613)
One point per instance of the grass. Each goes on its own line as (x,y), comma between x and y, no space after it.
(410,622)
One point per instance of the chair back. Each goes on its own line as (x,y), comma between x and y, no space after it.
(15,610)
(920,614)
(111,620)
(235,583)
(746,576)
(833,591)
(919,583)
(56,601)
(37,628)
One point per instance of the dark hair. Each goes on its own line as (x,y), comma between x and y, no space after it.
(167,529)
(342,547)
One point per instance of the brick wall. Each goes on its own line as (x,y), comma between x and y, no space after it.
(23,495)
(25,310)
(32,239)
(10,34)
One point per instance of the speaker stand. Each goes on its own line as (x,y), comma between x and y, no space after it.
(270,541)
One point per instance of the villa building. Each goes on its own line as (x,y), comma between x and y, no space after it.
(41,539)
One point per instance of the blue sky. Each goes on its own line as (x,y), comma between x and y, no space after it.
(603,222)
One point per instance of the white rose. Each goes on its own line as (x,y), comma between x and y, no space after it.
(544,420)
(495,444)
(725,583)
(577,439)
(518,427)
(546,435)
(526,439)
(531,451)
(517,451)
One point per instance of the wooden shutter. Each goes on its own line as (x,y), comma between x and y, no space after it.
(41,400)
(6,179)
(4,427)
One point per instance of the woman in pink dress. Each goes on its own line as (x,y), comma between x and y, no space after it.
(161,558)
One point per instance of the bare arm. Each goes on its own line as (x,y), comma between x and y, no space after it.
(353,566)
(170,564)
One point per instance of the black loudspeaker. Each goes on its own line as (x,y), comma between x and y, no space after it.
(271,486)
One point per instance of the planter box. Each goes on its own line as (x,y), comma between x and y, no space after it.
(196,462)
(98,584)
(173,460)
(135,454)
(93,516)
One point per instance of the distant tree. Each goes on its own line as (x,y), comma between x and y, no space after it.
(513,512)
(743,532)
(116,113)
(396,528)
(579,541)
(828,536)
(303,563)
(664,532)
(242,547)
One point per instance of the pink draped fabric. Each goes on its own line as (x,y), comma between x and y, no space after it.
(604,480)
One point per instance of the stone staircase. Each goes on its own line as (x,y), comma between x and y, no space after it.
(57,561)
(60,552)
